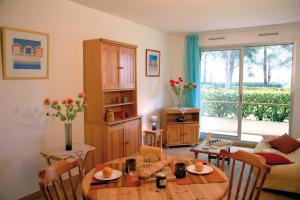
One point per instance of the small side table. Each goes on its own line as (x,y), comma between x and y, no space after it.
(213,152)
(155,137)
(60,153)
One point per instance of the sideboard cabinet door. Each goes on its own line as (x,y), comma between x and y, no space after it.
(110,66)
(190,132)
(127,68)
(132,137)
(174,134)
(116,141)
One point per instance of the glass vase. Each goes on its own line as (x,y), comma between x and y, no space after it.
(68,136)
(179,103)
(180,107)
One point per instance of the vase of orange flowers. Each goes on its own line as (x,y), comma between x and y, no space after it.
(66,111)
(180,88)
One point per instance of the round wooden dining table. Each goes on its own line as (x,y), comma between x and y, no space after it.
(149,191)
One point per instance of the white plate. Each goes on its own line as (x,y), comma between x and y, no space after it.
(115,174)
(206,169)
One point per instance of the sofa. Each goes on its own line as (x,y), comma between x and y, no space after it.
(284,177)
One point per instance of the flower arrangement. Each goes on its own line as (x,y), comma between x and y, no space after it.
(180,88)
(71,108)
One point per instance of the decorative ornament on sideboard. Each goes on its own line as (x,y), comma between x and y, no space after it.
(180,89)
(71,108)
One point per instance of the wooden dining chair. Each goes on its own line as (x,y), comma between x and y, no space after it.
(257,167)
(51,181)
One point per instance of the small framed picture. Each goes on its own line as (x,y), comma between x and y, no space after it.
(25,54)
(152,63)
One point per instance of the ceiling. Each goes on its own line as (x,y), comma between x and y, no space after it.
(188,16)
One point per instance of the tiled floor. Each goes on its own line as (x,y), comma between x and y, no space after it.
(265,195)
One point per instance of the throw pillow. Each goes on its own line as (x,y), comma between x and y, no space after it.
(285,144)
(269,138)
(274,159)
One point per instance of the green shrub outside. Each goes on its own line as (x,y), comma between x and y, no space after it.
(258,102)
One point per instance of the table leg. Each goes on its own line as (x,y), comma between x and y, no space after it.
(208,156)
(160,140)
(152,140)
(218,160)
(196,154)
(146,139)
(48,160)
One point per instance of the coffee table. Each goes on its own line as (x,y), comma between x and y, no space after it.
(212,151)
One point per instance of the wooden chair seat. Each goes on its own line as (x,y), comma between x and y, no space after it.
(257,168)
(51,179)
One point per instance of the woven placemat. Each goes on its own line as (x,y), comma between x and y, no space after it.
(167,170)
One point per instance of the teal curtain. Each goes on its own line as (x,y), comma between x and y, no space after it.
(192,69)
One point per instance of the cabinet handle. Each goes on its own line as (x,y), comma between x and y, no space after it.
(127,142)
(120,67)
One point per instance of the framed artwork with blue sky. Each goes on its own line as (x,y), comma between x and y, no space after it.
(152,63)
(24,54)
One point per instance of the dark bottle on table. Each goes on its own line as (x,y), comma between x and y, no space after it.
(129,162)
(161,180)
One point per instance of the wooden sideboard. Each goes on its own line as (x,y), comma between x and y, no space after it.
(110,84)
(180,133)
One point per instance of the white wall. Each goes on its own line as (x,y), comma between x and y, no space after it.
(24,129)
(287,33)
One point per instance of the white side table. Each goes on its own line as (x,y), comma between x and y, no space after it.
(155,137)
(60,153)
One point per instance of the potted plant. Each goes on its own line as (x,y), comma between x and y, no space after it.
(180,88)
(66,111)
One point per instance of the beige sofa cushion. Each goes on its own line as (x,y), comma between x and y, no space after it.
(282,177)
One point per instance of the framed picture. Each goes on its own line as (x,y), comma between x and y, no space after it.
(152,63)
(24,54)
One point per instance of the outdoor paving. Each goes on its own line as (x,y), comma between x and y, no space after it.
(251,129)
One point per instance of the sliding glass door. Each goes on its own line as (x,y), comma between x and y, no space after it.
(220,92)
(246,92)
(266,91)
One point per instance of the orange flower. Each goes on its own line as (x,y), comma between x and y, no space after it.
(81,95)
(47,102)
(64,101)
(70,101)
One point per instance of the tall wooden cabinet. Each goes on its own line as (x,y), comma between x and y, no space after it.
(180,133)
(110,84)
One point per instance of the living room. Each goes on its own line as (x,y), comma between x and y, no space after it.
(25,128)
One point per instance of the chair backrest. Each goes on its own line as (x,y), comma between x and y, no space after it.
(258,168)
(53,175)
